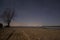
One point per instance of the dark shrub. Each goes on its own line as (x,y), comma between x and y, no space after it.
(6,26)
(1,25)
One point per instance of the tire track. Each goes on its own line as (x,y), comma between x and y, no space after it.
(24,33)
(4,35)
(10,35)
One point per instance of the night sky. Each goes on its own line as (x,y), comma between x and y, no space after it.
(33,12)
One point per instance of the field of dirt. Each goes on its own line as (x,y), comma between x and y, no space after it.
(29,34)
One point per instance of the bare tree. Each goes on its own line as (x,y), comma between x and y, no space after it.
(8,15)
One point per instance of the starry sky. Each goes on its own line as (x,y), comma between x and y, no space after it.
(33,12)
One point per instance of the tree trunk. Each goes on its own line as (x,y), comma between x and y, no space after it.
(8,24)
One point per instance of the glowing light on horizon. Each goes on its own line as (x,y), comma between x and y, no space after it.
(25,24)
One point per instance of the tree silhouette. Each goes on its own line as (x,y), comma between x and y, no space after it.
(7,16)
